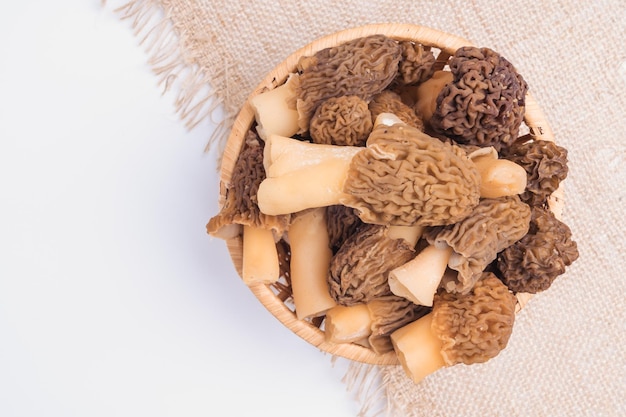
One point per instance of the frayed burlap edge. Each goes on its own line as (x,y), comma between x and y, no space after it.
(368,383)
(196,98)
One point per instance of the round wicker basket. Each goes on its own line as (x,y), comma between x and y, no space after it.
(277,297)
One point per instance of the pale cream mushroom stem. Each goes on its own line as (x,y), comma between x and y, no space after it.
(348,324)
(259,257)
(418,279)
(302,175)
(275,110)
(418,348)
(498,177)
(310,261)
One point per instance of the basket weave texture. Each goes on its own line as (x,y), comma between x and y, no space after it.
(277,297)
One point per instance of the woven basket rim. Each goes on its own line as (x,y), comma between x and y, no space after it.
(447,43)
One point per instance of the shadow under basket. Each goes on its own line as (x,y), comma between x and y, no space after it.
(277,297)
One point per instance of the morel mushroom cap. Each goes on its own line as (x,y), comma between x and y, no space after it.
(417,63)
(362,67)
(344,120)
(531,264)
(240,207)
(358,271)
(545,163)
(485,102)
(406,177)
(342,222)
(493,225)
(391,102)
(476,326)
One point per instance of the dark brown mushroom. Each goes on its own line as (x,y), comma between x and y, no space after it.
(462,328)
(358,271)
(342,222)
(363,67)
(391,102)
(545,163)
(483,104)
(405,177)
(532,264)
(417,63)
(495,224)
(476,326)
(344,120)
(457,254)
(240,206)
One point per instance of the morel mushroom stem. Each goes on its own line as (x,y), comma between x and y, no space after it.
(310,261)
(418,279)
(427,92)
(302,175)
(410,234)
(418,348)
(275,110)
(260,257)
(498,177)
(283,155)
(347,324)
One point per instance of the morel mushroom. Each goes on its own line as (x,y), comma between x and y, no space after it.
(417,64)
(363,67)
(373,321)
(484,102)
(402,177)
(462,328)
(391,102)
(495,224)
(341,222)
(531,264)
(467,247)
(240,215)
(344,120)
(545,163)
(358,271)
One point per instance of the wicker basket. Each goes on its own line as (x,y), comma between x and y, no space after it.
(277,297)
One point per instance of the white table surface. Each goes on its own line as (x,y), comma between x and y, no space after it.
(113,299)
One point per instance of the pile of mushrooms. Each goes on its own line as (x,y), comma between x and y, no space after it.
(407,205)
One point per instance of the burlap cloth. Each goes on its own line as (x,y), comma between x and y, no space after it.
(567,355)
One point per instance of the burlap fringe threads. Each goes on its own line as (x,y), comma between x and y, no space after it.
(196,100)
(367,383)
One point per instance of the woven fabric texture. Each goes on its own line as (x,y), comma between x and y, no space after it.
(567,354)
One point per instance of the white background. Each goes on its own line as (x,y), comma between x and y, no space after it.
(113,300)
